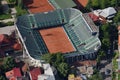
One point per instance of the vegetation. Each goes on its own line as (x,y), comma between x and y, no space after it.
(6,24)
(117,18)
(95,76)
(101,4)
(57,60)
(20,11)
(7,64)
(5,16)
(115,66)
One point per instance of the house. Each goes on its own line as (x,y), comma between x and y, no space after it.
(34,72)
(44,77)
(8,44)
(14,74)
(106,13)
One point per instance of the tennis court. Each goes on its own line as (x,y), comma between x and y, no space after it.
(36,6)
(56,40)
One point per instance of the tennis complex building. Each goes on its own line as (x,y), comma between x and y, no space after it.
(59,30)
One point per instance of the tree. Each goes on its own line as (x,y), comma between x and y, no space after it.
(95,4)
(63,69)
(12,1)
(117,18)
(57,60)
(2,77)
(8,63)
(97,76)
(105,3)
(113,3)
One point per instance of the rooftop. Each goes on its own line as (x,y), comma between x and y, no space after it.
(14,73)
(34,72)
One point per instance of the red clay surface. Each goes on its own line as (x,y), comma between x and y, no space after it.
(36,6)
(56,40)
(83,2)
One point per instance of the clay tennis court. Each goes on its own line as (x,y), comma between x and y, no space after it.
(36,6)
(56,40)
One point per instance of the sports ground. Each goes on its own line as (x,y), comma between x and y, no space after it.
(36,6)
(56,40)
(50,30)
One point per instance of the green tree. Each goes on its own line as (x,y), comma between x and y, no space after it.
(12,1)
(8,63)
(97,76)
(2,77)
(63,69)
(104,3)
(113,3)
(57,60)
(117,18)
(95,4)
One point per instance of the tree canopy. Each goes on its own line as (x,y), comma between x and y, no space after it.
(57,60)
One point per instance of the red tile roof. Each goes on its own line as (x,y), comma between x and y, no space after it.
(3,38)
(86,63)
(82,2)
(34,73)
(15,72)
(16,46)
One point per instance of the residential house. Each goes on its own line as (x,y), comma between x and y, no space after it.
(105,14)
(14,74)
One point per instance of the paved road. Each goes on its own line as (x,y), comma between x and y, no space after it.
(106,64)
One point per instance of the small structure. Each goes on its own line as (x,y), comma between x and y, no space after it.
(34,72)
(106,13)
(14,74)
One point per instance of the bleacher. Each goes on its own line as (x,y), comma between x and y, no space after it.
(93,27)
(47,19)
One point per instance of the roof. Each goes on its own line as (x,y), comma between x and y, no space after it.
(25,67)
(15,72)
(83,2)
(107,12)
(73,22)
(93,17)
(85,63)
(17,46)
(3,38)
(34,73)
(65,4)
(119,39)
